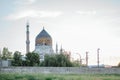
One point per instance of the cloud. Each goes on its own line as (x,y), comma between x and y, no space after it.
(24,2)
(49,14)
(33,14)
(86,12)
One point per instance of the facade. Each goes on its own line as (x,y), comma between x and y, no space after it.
(5,63)
(43,44)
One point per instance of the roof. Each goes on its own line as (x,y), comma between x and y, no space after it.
(42,34)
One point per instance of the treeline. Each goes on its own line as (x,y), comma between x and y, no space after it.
(33,59)
(5,54)
(57,60)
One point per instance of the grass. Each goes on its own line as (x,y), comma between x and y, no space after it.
(16,76)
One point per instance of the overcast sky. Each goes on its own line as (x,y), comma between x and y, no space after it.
(77,25)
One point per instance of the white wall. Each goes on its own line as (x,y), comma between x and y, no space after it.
(60,70)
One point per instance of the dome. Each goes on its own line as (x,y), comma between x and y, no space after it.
(42,34)
(43,38)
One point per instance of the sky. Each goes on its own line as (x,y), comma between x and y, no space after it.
(77,25)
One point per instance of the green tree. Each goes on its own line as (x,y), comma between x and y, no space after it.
(49,60)
(57,60)
(6,54)
(0,55)
(32,59)
(63,60)
(17,59)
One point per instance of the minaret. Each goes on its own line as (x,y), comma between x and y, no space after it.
(56,48)
(27,39)
(61,50)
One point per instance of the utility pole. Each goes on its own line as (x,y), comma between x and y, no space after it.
(86,58)
(80,58)
(98,57)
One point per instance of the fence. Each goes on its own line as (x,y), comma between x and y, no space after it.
(60,70)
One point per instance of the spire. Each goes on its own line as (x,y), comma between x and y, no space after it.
(43,28)
(27,26)
(27,38)
(61,50)
(56,48)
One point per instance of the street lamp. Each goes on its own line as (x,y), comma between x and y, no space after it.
(98,57)
(87,58)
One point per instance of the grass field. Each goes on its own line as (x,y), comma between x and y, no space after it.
(59,76)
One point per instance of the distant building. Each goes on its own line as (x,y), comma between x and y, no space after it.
(5,63)
(43,44)
(27,39)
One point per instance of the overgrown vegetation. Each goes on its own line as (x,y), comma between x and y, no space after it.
(17,60)
(32,59)
(59,76)
(6,54)
(57,60)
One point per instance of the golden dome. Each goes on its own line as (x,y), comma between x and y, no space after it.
(43,38)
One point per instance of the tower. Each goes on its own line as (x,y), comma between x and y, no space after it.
(61,50)
(27,39)
(56,48)
(43,44)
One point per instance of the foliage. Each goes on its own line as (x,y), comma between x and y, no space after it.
(35,76)
(76,63)
(0,55)
(17,60)
(57,60)
(32,59)
(6,54)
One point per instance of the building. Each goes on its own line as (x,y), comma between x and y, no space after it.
(43,44)
(5,63)
(27,39)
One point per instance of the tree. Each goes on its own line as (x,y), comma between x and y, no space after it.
(32,59)
(57,60)
(0,55)
(6,54)
(17,60)
(49,60)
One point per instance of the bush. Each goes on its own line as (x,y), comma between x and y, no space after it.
(17,61)
(32,59)
(57,60)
